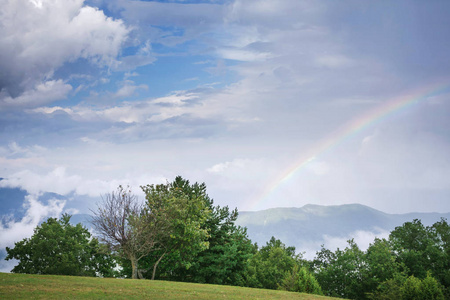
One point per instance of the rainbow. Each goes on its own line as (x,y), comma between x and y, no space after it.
(350,129)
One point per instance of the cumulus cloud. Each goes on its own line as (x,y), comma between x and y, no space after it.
(38,37)
(56,181)
(41,94)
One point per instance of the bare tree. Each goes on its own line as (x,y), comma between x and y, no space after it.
(126,226)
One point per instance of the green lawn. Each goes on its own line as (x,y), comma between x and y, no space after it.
(23,286)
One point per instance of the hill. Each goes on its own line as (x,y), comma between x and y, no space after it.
(23,286)
(310,226)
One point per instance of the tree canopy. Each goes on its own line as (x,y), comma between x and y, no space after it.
(169,220)
(60,248)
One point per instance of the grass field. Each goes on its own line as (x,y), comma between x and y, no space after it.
(23,286)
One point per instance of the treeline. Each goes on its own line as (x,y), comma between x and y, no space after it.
(178,234)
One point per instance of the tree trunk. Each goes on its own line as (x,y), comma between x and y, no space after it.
(156,265)
(134,267)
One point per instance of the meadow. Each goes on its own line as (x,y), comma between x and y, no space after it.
(25,286)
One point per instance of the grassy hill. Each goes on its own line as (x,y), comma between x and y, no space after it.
(24,286)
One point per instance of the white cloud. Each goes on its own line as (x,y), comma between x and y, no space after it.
(128,90)
(15,149)
(141,58)
(60,182)
(57,181)
(362,238)
(152,110)
(12,231)
(43,93)
(39,37)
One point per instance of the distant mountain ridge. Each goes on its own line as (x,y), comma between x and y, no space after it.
(310,226)
(306,228)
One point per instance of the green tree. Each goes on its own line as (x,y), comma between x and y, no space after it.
(414,247)
(441,231)
(424,249)
(225,261)
(402,287)
(342,273)
(381,264)
(60,248)
(302,281)
(270,265)
(182,210)
(389,289)
(430,289)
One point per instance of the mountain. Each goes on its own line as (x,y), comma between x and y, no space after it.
(310,226)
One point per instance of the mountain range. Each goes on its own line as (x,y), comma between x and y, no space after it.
(310,226)
(306,228)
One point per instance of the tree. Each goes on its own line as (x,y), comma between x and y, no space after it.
(60,248)
(430,289)
(271,264)
(441,231)
(302,281)
(414,247)
(342,273)
(183,211)
(409,288)
(126,226)
(424,249)
(381,264)
(225,261)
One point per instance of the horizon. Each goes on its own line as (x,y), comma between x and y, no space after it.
(277,103)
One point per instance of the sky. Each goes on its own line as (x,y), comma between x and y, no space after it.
(270,103)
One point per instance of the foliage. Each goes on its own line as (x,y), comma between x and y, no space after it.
(390,269)
(168,223)
(389,289)
(270,265)
(381,264)
(412,242)
(183,209)
(342,273)
(409,288)
(225,261)
(424,249)
(58,247)
(430,288)
(302,281)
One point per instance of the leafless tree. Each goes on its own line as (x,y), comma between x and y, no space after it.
(126,226)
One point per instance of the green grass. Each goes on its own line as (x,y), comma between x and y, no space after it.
(24,286)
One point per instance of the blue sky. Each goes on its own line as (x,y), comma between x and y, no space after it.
(98,93)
